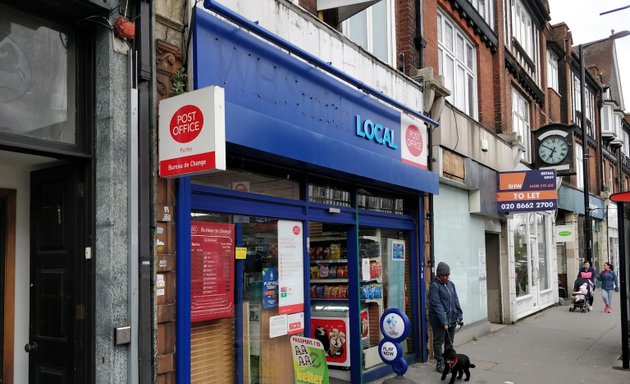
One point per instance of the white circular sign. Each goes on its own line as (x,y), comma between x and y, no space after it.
(389,351)
(393,325)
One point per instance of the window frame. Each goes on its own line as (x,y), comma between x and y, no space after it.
(485,9)
(579,172)
(368,13)
(80,76)
(467,100)
(552,71)
(524,132)
(577,105)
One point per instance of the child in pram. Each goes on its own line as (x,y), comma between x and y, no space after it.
(583,291)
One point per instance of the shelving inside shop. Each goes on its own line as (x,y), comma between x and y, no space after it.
(329,269)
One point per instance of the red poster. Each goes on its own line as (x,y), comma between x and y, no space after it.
(212,271)
(332,332)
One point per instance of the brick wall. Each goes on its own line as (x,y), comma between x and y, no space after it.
(554,105)
(405,33)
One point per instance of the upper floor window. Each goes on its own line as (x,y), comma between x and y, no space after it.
(37,78)
(521,123)
(552,71)
(579,172)
(372,29)
(626,144)
(522,38)
(589,106)
(523,29)
(485,9)
(458,65)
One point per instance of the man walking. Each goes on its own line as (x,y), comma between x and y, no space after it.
(444,312)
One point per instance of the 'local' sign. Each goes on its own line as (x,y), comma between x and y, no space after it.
(192,133)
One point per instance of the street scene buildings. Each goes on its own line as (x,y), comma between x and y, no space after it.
(188,184)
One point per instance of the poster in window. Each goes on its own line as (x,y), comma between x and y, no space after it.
(290,266)
(397,250)
(270,288)
(212,271)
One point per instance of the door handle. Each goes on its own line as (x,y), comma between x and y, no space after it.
(31,347)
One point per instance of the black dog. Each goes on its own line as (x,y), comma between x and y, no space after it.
(456,363)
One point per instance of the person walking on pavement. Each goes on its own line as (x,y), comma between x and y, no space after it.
(609,283)
(584,273)
(445,313)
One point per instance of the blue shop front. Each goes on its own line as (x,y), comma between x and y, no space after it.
(315,227)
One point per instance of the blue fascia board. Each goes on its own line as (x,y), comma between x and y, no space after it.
(278,104)
(572,200)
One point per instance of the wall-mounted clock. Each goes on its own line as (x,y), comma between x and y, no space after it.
(553,145)
(553,149)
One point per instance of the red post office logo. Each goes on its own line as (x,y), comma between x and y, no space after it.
(413,139)
(186,124)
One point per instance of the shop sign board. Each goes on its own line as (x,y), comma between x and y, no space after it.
(526,191)
(192,133)
(212,271)
(565,233)
(414,141)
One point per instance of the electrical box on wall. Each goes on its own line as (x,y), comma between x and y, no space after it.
(122,335)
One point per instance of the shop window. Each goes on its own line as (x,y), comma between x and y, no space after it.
(272,300)
(380,203)
(541,237)
(329,195)
(384,282)
(37,78)
(277,185)
(521,258)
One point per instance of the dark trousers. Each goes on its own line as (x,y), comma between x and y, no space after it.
(441,337)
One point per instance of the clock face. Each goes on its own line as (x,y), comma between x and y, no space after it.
(553,149)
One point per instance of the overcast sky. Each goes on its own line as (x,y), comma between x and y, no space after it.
(583,19)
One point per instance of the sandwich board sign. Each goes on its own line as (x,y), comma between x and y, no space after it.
(192,133)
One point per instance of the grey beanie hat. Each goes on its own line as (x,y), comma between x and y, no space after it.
(443,269)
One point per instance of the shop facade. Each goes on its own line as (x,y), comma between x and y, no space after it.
(315,227)
(67,206)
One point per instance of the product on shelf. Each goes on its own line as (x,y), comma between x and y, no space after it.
(369,248)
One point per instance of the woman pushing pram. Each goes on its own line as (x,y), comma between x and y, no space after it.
(582,292)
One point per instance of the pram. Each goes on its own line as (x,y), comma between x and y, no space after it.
(582,292)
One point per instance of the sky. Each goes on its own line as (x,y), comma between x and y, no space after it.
(584,20)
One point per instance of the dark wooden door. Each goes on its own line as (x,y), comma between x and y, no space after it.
(54,310)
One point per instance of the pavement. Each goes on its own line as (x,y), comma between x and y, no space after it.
(552,346)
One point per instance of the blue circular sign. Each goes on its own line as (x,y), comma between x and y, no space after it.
(400,366)
(395,325)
